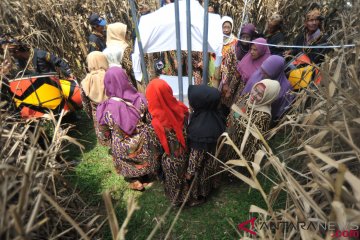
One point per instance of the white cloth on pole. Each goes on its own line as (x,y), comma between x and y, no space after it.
(173,81)
(157,32)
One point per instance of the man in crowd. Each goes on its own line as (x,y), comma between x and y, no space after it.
(35,61)
(97,39)
(313,35)
(274,34)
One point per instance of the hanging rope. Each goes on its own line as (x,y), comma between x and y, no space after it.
(296,46)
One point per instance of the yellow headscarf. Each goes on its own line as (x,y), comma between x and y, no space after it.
(93,83)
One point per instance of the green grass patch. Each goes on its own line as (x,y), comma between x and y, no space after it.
(94,173)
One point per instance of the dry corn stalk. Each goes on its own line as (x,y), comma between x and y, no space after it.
(319,168)
(36,201)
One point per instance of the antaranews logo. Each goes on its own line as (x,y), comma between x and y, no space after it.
(242,225)
(349,230)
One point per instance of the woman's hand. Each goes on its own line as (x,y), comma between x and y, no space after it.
(226,90)
(287,53)
(5,67)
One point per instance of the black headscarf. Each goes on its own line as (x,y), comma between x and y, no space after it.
(207,122)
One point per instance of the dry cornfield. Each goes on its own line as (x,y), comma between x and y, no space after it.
(36,201)
(61,26)
(316,168)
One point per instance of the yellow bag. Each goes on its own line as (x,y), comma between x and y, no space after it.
(300,72)
(301,77)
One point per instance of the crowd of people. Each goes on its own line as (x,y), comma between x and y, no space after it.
(150,133)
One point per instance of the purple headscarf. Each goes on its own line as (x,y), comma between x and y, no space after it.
(241,50)
(247,66)
(117,85)
(248,29)
(273,67)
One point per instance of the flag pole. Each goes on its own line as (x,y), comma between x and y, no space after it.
(178,50)
(205,43)
(189,47)
(142,55)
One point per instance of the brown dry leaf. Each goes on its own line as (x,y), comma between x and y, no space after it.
(73,141)
(256,168)
(341,218)
(336,76)
(310,119)
(113,222)
(349,177)
(256,209)
(318,138)
(357,120)
(240,163)
(259,156)
(245,179)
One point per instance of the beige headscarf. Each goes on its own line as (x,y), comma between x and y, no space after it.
(116,35)
(93,84)
(272,90)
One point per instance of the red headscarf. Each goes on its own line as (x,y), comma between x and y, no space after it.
(167,112)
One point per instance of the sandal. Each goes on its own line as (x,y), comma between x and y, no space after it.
(137,186)
(148,184)
(195,202)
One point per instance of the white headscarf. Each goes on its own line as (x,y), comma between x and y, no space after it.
(114,55)
(227,19)
(228,39)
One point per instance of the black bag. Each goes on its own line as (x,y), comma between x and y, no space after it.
(159,64)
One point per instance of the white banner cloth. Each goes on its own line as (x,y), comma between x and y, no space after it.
(157,32)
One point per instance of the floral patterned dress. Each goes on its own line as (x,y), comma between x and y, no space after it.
(236,127)
(170,63)
(197,68)
(204,166)
(90,109)
(170,59)
(174,169)
(127,65)
(230,79)
(134,155)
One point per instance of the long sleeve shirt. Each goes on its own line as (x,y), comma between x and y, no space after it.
(45,62)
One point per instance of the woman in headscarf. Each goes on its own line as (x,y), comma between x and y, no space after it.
(273,68)
(229,38)
(207,123)
(256,107)
(124,115)
(312,35)
(247,33)
(213,7)
(169,118)
(230,79)
(118,50)
(273,33)
(92,87)
(197,65)
(253,59)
